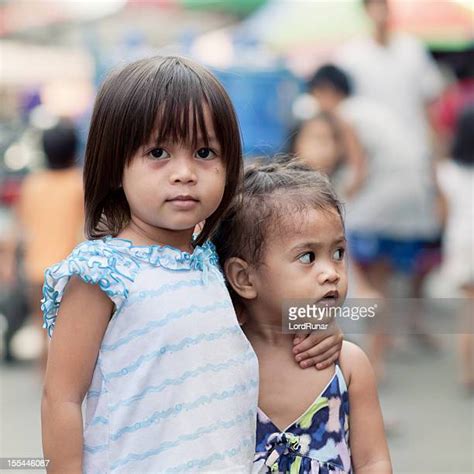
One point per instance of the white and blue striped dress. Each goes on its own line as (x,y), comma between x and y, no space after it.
(175,385)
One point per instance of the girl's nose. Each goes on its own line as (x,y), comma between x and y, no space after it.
(328,274)
(183,171)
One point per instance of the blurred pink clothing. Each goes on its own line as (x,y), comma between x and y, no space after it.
(52,216)
(448,106)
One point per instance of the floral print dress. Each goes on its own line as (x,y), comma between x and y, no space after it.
(317,442)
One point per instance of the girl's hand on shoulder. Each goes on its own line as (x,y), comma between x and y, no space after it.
(319,348)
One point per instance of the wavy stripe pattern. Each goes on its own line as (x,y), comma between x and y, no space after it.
(218,456)
(167,319)
(204,369)
(185,407)
(182,439)
(172,349)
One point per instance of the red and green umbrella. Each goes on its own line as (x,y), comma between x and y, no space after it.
(442,25)
(289,25)
(239,8)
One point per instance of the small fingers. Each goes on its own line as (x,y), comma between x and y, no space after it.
(308,341)
(320,348)
(328,362)
(329,355)
(299,337)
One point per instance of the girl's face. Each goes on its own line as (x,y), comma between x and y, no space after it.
(173,186)
(307,263)
(317,146)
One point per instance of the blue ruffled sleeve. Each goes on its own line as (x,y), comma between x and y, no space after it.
(96,263)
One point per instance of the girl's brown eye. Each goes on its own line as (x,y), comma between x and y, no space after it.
(205,153)
(159,153)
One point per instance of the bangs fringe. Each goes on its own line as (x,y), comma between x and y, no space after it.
(175,109)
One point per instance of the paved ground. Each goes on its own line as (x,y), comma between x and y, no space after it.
(435,420)
(20,391)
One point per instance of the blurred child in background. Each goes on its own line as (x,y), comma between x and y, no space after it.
(51,211)
(327,144)
(386,217)
(317,142)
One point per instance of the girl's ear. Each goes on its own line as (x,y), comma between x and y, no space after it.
(239,274)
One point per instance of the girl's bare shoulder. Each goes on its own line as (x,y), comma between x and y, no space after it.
(354,362)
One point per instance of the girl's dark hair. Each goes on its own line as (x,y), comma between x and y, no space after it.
(166,97)
(463,145)
(272,192)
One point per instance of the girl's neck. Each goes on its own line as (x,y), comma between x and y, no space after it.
(266,332)
(144,234)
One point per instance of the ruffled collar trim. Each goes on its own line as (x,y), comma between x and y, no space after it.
(167,256)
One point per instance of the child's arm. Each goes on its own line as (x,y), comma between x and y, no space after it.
(82,320)
(319,348)
(356,160)
(369,450)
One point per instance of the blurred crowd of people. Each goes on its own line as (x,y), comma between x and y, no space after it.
(408,186)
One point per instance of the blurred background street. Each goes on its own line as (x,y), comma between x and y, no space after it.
(379,94)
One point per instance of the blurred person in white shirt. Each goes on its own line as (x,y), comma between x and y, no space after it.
(389,218)
(394,69)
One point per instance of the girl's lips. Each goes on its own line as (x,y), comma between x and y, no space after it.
(330,298)
(183,202)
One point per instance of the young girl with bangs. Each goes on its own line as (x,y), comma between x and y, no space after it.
(144,328)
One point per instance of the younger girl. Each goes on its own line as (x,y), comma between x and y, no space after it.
(298,252)
(143,323)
